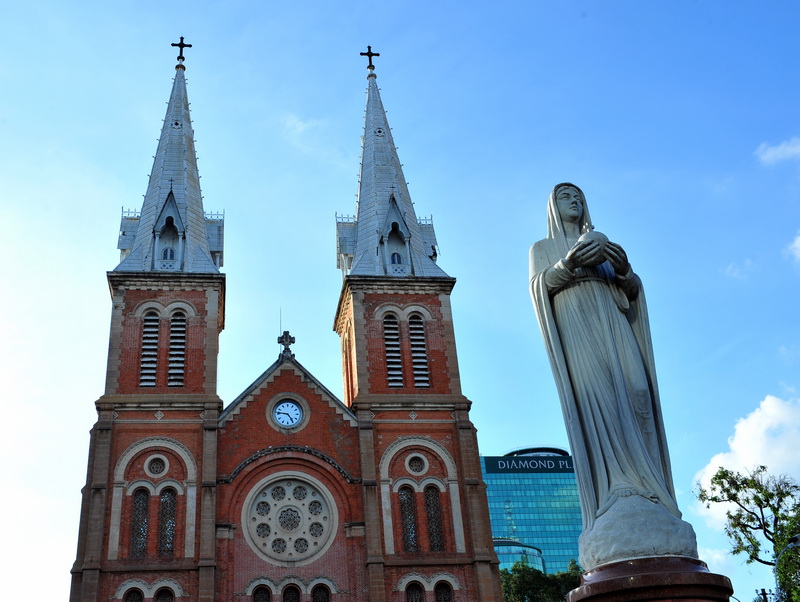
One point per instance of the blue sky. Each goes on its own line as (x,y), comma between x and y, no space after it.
(679,120)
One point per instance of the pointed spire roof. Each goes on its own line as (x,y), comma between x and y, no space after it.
(385,238)
(172,232)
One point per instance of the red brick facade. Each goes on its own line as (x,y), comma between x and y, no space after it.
(185,498)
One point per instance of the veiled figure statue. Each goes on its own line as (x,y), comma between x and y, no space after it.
(592,312)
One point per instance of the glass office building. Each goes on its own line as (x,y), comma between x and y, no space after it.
(533,507)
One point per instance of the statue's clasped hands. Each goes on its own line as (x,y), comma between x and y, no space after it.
(592,252)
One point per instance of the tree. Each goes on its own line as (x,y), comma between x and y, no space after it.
(761,508)
(523,583)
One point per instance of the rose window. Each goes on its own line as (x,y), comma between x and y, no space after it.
(289,519)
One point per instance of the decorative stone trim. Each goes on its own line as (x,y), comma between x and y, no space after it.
(288,448)
(428,583)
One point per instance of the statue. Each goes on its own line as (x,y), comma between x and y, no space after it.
(592,312)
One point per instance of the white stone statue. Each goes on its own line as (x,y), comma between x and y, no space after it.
(593,316)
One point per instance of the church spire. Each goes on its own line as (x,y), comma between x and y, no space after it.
(385,238)
(172,232)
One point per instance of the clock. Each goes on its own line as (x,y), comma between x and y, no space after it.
(287,413)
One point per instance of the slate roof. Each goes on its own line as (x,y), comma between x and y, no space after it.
(382,197)
(174,170)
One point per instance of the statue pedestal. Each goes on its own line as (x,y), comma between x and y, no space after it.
(664,578)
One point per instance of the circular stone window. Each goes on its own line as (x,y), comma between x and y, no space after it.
(289,518)
(156,466)
(416,464)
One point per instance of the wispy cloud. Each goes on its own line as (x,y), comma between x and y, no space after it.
(787,150)
(767,436)
(793,250)
(740,270)
(295,126)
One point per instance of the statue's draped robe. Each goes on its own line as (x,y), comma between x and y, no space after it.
(597,336)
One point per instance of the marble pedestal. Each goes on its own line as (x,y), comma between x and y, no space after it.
(663,578)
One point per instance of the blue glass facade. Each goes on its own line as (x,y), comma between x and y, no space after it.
(533,500)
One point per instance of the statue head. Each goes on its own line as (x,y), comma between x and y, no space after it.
(570,199)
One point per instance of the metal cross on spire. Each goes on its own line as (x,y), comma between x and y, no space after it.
(369,54)
(181,46)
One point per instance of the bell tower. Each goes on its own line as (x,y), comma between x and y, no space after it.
(148,503)
(424,500)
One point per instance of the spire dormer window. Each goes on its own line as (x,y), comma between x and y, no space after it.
(168,240)
(396,250)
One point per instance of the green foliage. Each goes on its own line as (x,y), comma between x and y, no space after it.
(525,584)
(764,512)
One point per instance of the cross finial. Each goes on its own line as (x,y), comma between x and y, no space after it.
(369,54)
(180,45)
(286,340)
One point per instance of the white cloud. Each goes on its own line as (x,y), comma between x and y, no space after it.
(767,436)
(789,149)
(741,270)
(794,248)
(295,126)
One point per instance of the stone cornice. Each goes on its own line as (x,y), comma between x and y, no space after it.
(410,285)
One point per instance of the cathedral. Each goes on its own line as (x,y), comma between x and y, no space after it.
(286,493)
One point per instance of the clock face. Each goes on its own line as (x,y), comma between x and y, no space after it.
(288,413)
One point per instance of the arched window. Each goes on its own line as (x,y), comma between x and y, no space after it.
(320,593)
(168,253)
(149,362)
(433,509)
(408,518)
(262,594)
(397,259)
(140,506)
(133,595)
(164,595)
(419,351)
(291,594)
(415,593)
(394,360)
(177,349)
(167,523)
(443,592)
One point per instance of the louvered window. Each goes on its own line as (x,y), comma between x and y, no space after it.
(140,505)
(177,349)
(262,594)
(419,352)
(147,369)
(433,509)
(415,593)
(443,592)
(167,523)
(394,360)
(408,518)
(320,594)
